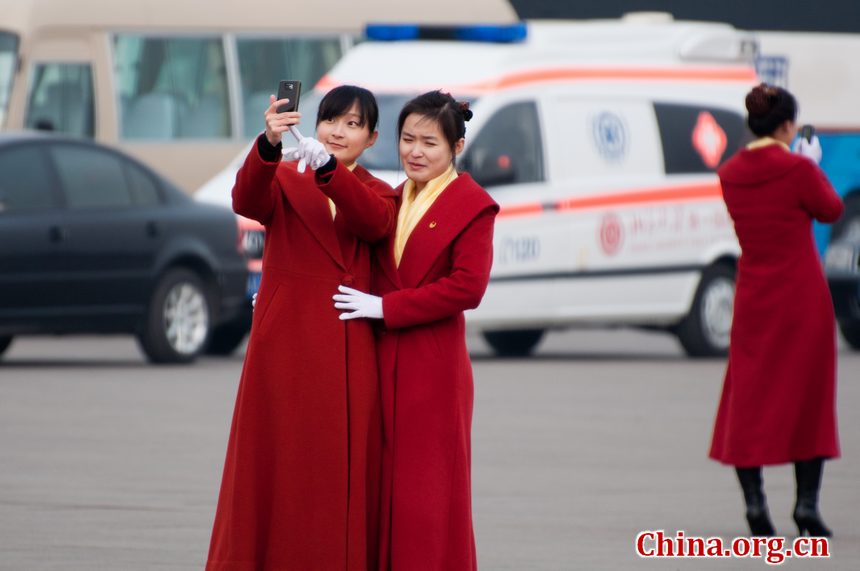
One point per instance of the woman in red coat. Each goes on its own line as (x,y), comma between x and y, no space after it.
(779,396)
(428,273)
(301,480)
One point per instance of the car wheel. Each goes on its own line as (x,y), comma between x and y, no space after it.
(227,337)
(848,225)
(705,331)
(514,343)
(5,341)
(179,319)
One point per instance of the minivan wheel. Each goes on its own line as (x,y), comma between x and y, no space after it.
(705,331)
(5,341)
(518,343)
(179,319)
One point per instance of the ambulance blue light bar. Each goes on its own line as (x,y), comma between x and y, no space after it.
(495,33)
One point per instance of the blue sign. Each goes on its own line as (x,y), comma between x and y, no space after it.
(610,136)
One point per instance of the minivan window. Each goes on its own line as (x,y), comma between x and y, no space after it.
(90,178)
(264,61)
(8,64)
(508,150)
(25,182)
(171,88)
(61,99)
(698,139)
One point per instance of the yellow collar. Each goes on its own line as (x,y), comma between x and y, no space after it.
(766,142)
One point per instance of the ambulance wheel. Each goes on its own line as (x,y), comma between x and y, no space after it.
(850,329)
(178,321)
(514,343)
(704,332)
(5,341)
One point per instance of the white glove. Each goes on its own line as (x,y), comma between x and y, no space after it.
(362,304)
(253,301)
(809,149)
(309,152)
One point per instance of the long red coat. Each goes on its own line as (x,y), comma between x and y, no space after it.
(426,378)
(778,402)
(300,489)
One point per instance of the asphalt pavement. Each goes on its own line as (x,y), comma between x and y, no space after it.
(109,463)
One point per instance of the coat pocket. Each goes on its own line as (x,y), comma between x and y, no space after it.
(259,324)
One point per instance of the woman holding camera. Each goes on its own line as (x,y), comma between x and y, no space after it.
(434,267)
(301,480)
(779,396)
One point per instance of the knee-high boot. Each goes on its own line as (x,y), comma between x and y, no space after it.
(808,476)
(758,517)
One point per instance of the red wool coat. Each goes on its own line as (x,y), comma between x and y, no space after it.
(426,379)
(300,489)
(778,401)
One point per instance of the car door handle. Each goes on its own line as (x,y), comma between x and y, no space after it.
(57,234)
(152,229)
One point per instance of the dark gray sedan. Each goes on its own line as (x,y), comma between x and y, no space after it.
(92,241)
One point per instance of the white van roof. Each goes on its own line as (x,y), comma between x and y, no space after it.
(269,15)
(588,49)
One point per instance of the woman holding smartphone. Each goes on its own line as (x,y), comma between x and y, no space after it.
(433,268)
(300,488)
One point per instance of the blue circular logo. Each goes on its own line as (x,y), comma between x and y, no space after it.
(610,136)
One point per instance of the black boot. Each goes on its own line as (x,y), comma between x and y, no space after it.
(808,476)
(757,514)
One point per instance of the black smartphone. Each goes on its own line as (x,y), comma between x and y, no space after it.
(807,132)
(289,89)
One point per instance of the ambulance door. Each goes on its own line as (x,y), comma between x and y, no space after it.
(605,171)
(506,157)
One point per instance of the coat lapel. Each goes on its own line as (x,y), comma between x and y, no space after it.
(453,210)
(313,209)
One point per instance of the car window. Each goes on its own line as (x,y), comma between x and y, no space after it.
(61,99)
(143,189)
(91,178)
(25,182)
(172,88)
(508,149)
(697,139)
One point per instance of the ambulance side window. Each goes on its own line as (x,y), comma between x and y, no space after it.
(508,149)
(698,139)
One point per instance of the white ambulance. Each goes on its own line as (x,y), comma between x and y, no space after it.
(600,141)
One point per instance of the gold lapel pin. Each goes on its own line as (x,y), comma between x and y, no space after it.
(432,224)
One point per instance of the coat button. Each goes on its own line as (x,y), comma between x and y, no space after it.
(348,280)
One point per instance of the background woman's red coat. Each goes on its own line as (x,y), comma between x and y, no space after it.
(426,378)
(778,401)
(301,480)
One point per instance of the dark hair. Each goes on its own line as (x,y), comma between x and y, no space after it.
(340,99)
(442,108)
(769,107)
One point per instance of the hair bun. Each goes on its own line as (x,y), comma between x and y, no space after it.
(463,106)
(761,100)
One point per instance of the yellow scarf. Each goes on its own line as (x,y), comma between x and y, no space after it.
(331,205)
(413,206)
(765,142)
